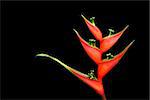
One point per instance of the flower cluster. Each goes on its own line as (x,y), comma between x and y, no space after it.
(95,53)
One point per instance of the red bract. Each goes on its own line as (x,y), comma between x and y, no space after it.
(95,84)
(106,42)
(95,53)
(94,30)
(107,65)
(109,41)
(104,66)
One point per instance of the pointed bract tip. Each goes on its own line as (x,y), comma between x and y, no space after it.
(83,16)
(125,28)
(42,55)
(75,31)
(132,42)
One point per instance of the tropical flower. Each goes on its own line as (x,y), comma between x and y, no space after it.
(95,53)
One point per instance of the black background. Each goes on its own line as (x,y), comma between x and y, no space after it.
(33,27)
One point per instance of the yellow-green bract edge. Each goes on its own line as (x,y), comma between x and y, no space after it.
(61,63)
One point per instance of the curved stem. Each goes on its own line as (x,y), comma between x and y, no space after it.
(104,97)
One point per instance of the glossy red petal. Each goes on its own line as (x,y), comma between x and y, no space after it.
(94,30)
(107,65)
(93,52)
(109,41)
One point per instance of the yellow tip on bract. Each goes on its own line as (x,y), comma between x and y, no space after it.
(42,55)
(76,32)
(132,42)
(125,28)
(83,16)
(61,63)
(74,29)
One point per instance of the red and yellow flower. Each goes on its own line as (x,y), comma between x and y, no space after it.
(95,53)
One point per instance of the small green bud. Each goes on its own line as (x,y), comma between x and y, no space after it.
(109,56)
(111,31)
(92,20)
(91,75)
(92,42)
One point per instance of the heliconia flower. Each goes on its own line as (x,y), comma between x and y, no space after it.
(94,29)
(107,65)
(93,52)
(110,40)
(95,84)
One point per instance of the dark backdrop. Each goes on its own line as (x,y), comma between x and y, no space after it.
(33,27)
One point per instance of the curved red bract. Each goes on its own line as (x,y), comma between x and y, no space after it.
(94,29)
(109,41)
(95,84)
(107,65)
(93,52)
